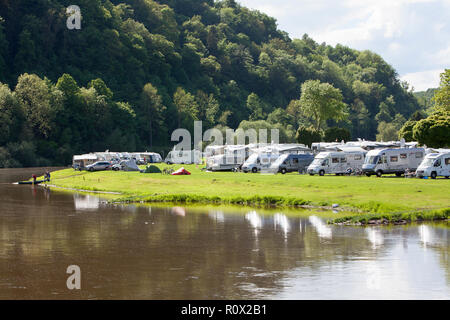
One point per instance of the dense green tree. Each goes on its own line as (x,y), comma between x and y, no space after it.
(322,101)
(151,112)
(336,134)
(434,131)
(308,136)
(442,95)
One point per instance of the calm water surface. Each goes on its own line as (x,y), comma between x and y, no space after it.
(129,252)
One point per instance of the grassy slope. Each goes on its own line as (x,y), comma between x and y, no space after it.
(386,195)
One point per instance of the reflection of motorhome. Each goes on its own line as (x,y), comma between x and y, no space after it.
(233,156)
(336,162)
(259,161)
(387,161)
(184,157)
(435,165)
(292,163)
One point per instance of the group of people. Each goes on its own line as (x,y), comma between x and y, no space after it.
(46,177)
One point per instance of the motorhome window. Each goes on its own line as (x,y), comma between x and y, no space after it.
(403,156)
(447,161)
(343,160)
(372,160)
(295,160)
(437,163)
(419,155)
(325,163)
(335,160)
(394,159)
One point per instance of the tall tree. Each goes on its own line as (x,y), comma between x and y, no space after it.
(323,102)
(152,111)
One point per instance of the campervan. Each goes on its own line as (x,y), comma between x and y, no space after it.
(292,163)
(337,163)
(233,157)
(259,161)
(398,161)
(434,165)
(184,157)
(82,161)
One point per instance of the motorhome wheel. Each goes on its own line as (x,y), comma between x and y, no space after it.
(379,173)
(433,175)
(254,170)
(322,173)
(283,171)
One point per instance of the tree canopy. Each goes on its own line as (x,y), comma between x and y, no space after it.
(138,69)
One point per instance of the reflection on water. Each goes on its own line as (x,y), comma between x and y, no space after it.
(140,252)
(323,230)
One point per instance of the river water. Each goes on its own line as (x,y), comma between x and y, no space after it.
(140,252)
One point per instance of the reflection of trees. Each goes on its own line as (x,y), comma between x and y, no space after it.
(157,253)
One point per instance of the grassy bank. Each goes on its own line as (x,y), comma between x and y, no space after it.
(362,195)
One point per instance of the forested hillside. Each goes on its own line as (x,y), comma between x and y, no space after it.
(138,70)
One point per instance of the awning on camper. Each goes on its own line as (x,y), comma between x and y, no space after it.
(85,157)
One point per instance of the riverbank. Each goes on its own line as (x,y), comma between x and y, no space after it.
(358,196)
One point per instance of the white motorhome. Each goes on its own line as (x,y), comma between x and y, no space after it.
(388,161)
(338,163)
(434,165)
(233,157)
(184,157)
(259,161)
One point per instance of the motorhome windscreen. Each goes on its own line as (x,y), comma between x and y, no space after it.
(428,162)
(252,159)
(281,159)
(372,160)
(317,161)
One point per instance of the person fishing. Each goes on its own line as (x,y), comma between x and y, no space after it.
(47,176)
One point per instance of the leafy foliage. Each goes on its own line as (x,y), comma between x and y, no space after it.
(139,69)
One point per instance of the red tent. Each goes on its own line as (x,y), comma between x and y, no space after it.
(181,172)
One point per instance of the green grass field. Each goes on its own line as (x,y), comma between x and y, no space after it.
(362,195)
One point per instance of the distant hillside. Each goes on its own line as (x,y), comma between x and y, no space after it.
(202,60)
(424,98)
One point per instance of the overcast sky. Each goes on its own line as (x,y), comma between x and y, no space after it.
(411,35)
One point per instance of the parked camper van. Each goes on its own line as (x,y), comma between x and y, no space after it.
(434,165)
(259,161)
(292,163)
(233,157)
(387,161)
(184,157)
(337,163)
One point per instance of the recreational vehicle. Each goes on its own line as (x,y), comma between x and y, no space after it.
(259,161)
(292,163)
(434,165)
(82,161)
(233,157)
(338,163)
(184,157)
(398,161)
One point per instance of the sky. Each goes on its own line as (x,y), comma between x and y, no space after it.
(411,35)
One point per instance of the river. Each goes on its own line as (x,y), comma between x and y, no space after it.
(143,252)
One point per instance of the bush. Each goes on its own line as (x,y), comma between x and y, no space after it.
(336,134)
(308,136)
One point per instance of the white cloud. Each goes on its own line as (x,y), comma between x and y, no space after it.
(424,80)
(412,35)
